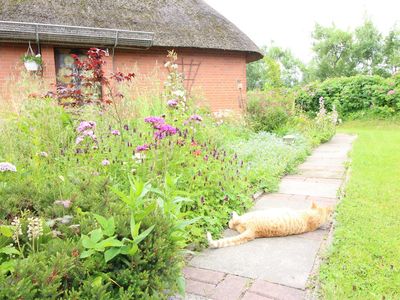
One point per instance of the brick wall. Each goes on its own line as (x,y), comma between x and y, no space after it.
(215,74)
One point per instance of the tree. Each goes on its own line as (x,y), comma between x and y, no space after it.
(278,68)
(333,49)
(391,50)
(367,49)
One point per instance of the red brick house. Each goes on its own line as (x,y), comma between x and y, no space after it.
(212,51)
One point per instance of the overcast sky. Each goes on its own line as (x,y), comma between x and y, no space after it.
(289,23)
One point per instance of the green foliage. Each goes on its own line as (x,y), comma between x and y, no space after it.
(353,94)
(278,68)
(333,52)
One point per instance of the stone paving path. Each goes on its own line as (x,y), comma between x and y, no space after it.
(274,268)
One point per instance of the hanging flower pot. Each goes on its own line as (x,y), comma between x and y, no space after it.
(32,62)
(31,65)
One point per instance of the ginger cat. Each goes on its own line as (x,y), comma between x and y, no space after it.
(272,223)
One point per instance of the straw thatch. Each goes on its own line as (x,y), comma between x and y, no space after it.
(175,23)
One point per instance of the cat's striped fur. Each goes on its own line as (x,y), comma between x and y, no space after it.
(272,223)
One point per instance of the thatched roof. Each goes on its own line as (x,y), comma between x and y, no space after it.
(175,23)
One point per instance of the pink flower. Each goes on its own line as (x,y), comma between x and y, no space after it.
(391,92)
(65,203)
(115,132)
(85,125)
(154,120)
(142,148)
(79,140)
(172,103)
(196,118)
(105,162)
(165,130)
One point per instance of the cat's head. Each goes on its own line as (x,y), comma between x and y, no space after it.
(233,222)
(324,212)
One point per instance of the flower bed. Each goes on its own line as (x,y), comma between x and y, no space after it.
(98,204)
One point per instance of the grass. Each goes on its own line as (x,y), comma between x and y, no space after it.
(364,260)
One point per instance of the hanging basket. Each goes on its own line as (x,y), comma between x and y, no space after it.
(32,61)
(31,65)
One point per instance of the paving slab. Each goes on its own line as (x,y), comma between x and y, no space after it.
(283,260)
(279,266)
(301,187)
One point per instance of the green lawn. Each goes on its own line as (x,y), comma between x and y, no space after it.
(364,260)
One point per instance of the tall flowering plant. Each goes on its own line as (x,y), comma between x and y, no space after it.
(174,93)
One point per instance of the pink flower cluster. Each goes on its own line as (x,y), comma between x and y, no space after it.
(391,92)
(172,103)
(86,129)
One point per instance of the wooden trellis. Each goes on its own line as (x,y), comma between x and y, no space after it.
(189,72)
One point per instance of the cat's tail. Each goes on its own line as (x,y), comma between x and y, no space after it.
(242,238)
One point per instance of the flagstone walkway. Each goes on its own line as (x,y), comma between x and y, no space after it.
(274,268)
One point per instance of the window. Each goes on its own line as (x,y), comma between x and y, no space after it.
(67,73)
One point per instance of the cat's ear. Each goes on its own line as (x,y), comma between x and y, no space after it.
(314,205)
(234,215)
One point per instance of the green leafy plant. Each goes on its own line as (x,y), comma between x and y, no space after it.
(30,57)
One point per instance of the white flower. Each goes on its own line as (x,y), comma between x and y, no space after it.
(179,93)
(174,66)
(167,64)
(17,228)
(139,157)
(35,228)
(6,166)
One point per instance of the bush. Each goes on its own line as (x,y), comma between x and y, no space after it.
(269,111)
(352,94)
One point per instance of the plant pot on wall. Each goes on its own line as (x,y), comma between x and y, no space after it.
(31,66)
(32,63)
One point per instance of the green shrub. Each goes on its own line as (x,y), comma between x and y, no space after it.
(268,111)
(352,94)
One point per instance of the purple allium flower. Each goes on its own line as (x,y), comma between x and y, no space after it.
(115,132)
(142,148)
(65,203)
(85,125)
(154,120)
(196,118)
(105,162)
(6,166)
(172,103)
(391,92)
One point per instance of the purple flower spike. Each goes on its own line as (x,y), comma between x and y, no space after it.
(115,132)
(7,167)
(142,148)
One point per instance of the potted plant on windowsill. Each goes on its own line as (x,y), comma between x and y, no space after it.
(32,62)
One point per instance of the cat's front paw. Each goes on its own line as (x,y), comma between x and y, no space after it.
(211,242)
(209,237)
